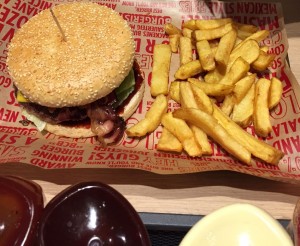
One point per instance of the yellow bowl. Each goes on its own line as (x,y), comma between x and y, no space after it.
(237,225)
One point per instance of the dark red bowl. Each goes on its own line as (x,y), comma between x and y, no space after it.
(91,214)
(21,205)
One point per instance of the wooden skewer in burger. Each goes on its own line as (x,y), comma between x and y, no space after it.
(81,85)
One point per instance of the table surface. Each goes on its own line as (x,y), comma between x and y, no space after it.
(198,193)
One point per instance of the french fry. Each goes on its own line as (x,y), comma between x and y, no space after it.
(243,110)
(257,36)
(174,91)
(152,118)
(192,96)
(174,42)
(202,100)
(217,93)
(188,70)
(261,116)
(225,47)
(275,92)
(190,24)
(228,104)
(206,56)
(246,27)
(202,140)
(212,128)
(214,50)
(243,34)
(237,71)
(215,75)
(257,148)
(263,61)
(211,24)
(168,142)
(244,30)
(212,89)
(160,70)
(187,99)
(170,29)
(249,51)
(237,42)
(185,50)
(242,87)
(183,133)
(186,32)
(264,48)
(209,34)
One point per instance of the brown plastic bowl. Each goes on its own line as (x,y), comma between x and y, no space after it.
(91,214)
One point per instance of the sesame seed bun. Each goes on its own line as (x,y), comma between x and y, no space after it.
(81,132)
(95,58)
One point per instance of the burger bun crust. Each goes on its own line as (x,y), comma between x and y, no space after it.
(94,60)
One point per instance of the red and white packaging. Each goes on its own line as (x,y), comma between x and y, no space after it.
(25,144)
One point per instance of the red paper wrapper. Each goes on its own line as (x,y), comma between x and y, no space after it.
(23,143)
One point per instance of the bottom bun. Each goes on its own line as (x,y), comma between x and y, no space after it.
(81,132)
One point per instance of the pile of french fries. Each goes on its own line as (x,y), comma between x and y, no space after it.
(218,90)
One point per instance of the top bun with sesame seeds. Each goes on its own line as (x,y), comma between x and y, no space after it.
(86,84)
(94,60)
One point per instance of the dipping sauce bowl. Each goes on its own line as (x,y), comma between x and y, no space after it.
(91,214)
(21,205)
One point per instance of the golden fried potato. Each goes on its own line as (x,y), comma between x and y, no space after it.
(181,130)
(202,140)
(205,54)
(168,142)
(256,36)
(244,30)
(189,70)
(246,27)
(190,24)
(249,51)
(225,47)
(170,29)
(243,110)
(242,87)
(264,48)
(160,71)
(211,24)
(243,34)
(257,148)
(202,100)
(174,42)
(215,75)
(185,50)
(186,32)
(237,71)
(152,118)
(275,92)
(174,91)
(261,115)
(228,104)
(263,61)
(209,34)
(212,128)
(187,99)
(212,89)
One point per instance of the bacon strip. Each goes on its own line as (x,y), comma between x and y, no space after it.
(106,124)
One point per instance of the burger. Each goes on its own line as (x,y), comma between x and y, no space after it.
(75,73)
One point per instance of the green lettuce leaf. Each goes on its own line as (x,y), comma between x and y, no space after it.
(126,87)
